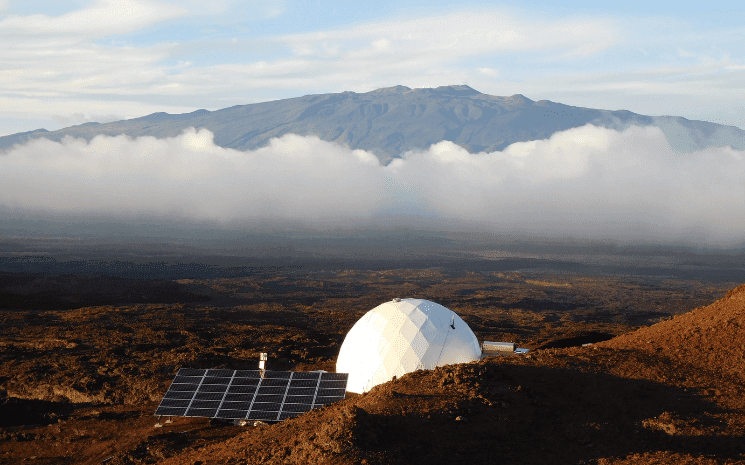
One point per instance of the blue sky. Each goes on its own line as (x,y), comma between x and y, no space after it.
(65,63)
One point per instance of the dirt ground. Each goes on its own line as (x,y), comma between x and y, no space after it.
(623,369)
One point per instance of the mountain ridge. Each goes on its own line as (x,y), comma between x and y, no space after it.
(392,120)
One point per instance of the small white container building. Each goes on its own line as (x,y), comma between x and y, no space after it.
(401,336)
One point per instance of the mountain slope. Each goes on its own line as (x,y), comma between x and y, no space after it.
(393,120)
(712,337)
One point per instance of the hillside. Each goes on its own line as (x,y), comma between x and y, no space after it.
(710,337)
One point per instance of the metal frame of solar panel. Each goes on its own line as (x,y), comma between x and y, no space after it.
(246,395)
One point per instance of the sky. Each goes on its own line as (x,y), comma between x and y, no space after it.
(68,63)
(65,63)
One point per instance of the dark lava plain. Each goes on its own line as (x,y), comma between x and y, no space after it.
(91,334)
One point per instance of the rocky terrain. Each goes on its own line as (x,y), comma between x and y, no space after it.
(662,380)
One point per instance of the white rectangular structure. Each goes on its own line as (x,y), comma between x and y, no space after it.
(497,348)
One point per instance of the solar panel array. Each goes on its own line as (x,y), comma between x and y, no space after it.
(246,395)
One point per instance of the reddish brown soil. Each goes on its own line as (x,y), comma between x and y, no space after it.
(711,338)
(638,398)
(80,385)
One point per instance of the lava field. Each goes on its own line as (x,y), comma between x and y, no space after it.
(623,368)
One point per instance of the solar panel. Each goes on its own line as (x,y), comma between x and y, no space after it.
(245,395)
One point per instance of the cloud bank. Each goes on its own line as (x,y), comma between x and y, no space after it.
(586,182)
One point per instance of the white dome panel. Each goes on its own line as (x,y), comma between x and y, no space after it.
(399,337)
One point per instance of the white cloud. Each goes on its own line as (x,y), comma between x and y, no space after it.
(709,89)
(275,11)
(209,6)
(685,54)
(72,75)
(465,34)
(56,107)
(586,182)
(51,64)
(490,72)
(252,10)
(424,52)
(80,118)
(103,18)
(188,175)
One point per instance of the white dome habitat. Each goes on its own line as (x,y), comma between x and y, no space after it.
(402,336)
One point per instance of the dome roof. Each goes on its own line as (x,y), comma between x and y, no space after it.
(402,336)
